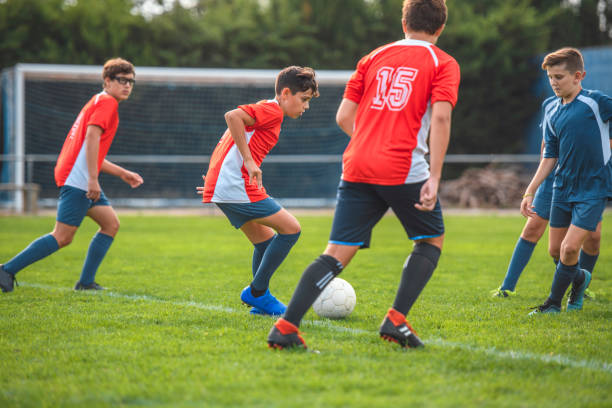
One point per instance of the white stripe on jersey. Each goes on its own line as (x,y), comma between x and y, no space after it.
(230,184)
(604,128)
(414,43)
(79,174)
(419,168)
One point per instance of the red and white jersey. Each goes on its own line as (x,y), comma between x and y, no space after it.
(227,180)
(71,167)
(395,86)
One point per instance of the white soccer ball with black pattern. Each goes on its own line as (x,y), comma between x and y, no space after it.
(336,301)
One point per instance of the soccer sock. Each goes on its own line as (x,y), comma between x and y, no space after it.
(97,249)
(564,276)
(520,258)
(418,268)
(314,279)
(258,252)
(37,250)
(587,261)
(274,255)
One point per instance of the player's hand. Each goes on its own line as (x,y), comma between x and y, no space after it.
(429,195)
(527,206)
(255,174)
(93,190)
(131,178)
(200,189)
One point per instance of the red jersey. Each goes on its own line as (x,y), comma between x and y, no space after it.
(71,167)
(395,87)
(227,180)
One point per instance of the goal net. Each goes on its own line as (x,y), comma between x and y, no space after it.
(167,131)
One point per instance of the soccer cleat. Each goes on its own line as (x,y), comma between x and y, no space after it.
(502,293)
(258,312)
(266,302)
(285,335)
(589,294)
(7,280)
(396,328)
(91,286)
(576,296)
(546,307)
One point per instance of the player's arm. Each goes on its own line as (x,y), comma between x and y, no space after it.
(345,117)
(132,178)
(439,137)
(92,148)
(237,120)
(547,164)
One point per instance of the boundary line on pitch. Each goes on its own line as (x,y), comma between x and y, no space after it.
(491,351)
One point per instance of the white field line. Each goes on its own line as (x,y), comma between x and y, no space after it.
(559,359)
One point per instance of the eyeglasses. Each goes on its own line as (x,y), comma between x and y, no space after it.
(124,80)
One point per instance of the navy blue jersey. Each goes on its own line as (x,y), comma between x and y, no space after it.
(578,135)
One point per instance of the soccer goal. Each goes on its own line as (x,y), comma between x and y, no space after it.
(167,131)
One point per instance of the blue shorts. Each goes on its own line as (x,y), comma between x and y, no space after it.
(73,205)
(360,206)
(240,213)
(584,214)
(543,198)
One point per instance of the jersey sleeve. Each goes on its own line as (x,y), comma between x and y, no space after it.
(445,86)
(266,115)
(355,85)
(605,107)
(551,141)
(103,113)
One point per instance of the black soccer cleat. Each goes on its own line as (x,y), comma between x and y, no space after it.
(91,286)
(7,280)
(396,328)
(285,335)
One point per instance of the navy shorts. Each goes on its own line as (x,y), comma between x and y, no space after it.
(240,213)
(584,214)
(73,205)
(360,206)
(543,197)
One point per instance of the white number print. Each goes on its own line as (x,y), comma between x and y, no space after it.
(394,87)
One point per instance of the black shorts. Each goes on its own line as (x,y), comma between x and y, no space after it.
(360,206)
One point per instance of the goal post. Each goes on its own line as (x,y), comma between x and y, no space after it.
(168,129)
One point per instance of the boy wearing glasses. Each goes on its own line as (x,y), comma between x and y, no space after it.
(76,173)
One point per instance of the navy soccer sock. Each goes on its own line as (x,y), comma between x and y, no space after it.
(587,261)
(564,276)
(37,250)
(520,258)
(314,279)
(274,255)
(258,252)
(97,250)
(418,268)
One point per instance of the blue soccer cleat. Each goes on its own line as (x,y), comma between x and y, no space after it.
(576,296)
(546,307)
(266,303)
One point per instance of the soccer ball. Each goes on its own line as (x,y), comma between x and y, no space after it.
(336,301)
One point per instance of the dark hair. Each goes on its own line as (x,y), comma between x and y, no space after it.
(297,79)
(115,66)
(424,15)
(571,57)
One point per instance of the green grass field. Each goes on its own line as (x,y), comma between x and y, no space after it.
(171,331)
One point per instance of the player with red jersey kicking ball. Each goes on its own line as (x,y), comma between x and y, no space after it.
(234,181)
(400,94)
(82,158)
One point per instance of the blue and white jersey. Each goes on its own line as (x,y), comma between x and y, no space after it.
(578,135)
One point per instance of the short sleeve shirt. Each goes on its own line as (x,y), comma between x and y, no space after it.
(395,87)
(71,168)
(227,180)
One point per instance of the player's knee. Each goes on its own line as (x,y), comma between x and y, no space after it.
(63,239)
(533,232)
(555,253)
(111,227)
(591,243)
(569,250)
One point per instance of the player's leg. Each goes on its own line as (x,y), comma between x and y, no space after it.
(358,209)
(590,249)
(532,232)
(104,215)
(426,229)
(72,207)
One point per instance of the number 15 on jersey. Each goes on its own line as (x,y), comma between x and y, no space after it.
(394,86)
